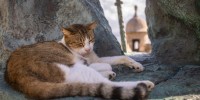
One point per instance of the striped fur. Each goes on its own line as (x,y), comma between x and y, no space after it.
(47,90)
(57,69)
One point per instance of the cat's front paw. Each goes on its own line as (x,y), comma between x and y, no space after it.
(134,65)
(138,67)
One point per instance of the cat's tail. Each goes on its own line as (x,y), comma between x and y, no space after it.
(46,90)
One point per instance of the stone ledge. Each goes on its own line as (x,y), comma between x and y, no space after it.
(173,82)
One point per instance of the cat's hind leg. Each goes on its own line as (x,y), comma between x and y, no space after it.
(82,73)
(104,69)
(92,83)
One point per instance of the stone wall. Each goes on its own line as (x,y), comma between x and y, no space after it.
(26,22)
(174,30)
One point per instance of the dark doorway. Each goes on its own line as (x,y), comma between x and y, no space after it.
(135,45)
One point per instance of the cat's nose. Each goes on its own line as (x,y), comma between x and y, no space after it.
(87,49)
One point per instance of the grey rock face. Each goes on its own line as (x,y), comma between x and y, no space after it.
(172,82)
(184,85)
(26,22)
(174,30)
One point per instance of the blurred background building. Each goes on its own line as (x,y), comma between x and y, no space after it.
(134,21)
(136,34)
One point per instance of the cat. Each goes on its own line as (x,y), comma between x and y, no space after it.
(70,67)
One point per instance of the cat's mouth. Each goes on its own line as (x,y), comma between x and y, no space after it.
(83,54)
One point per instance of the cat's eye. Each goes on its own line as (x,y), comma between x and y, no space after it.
(91,40)
(81,44)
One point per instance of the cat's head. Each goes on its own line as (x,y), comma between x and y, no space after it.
(79,37)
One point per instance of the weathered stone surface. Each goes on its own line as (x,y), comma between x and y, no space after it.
(26,22)
(172,82)
(174,30)
(184,85)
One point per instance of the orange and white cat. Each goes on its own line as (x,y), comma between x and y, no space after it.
(70,67)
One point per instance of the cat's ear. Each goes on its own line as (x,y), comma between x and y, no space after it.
(65,31)
(92,25)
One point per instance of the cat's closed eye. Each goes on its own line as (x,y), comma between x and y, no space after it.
(80,44)
(91,40)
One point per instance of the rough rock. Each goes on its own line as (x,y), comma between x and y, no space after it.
(26,22)
(184,85)
(174,30)
(172,82)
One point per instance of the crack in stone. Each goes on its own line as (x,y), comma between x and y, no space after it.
(170,77)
